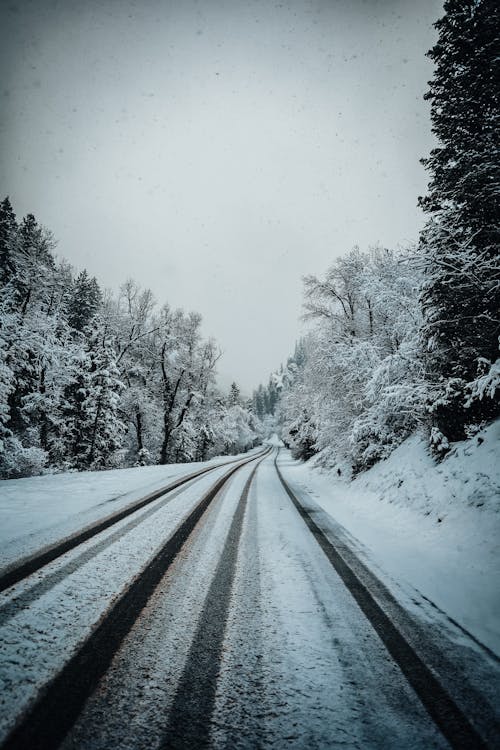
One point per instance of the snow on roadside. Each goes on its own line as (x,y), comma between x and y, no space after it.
(40,510)
(432,527)
(274,440)
(37,640)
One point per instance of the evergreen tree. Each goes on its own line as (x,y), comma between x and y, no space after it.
(258,402)
(8,241)
(234,397)
(461,294)
(93,428)
(7,383)
(272,396)
(35,263)
(85,300)
(30,291)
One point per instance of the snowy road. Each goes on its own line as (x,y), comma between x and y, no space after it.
(231,612)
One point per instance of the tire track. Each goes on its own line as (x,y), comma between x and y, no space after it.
(45,724)
(452,722)
(189,718)
(38,589)
(23,568)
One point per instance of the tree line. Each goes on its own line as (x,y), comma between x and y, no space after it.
(400,340)
(408,339)
(91,379)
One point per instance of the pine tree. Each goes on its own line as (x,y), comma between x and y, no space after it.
(8,241)
(34,262)
(461,294)
(85,300)
(8,321)
(7,383)
(234,397)
(258,402)
(272,396)
(93,428)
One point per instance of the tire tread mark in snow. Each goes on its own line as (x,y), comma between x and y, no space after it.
(40,588)
(453,724)
(46,723)
(189,717)
(29,565)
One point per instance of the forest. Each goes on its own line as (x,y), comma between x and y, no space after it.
(407,339)
(399,339)
(92,380)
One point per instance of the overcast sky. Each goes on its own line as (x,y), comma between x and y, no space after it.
(218,151)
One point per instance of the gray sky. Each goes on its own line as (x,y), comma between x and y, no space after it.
(217,151)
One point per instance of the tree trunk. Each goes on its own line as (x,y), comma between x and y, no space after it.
(138,430)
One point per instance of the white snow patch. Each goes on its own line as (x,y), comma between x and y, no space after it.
(40,510)
(434,527)
(37,640)
(274,440)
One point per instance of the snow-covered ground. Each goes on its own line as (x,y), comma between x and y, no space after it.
(426,528)
(299,663)
(274,441)
(43,623)
(40,510)
(300,667)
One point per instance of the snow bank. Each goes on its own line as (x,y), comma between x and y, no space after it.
(468,478)
(432,528)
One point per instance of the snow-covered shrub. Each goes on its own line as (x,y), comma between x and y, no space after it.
(439,442)
(144,457)
(18,461)
(487,383)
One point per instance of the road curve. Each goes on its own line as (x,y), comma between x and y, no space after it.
(255,625)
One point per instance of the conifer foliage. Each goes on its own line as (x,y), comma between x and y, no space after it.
(401,339)
(460,242)
(91,380)
(410,340)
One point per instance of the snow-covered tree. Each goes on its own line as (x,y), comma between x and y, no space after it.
(84,302)
(8,241)
(356,389)
(234,397)
(90,380)
(92,431)
(460,243)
